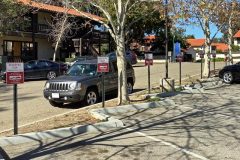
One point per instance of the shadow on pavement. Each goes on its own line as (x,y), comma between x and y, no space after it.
(198,125)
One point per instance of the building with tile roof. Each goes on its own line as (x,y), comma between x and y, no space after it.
(197,45)
(236,39)
(33,42)
(58,9)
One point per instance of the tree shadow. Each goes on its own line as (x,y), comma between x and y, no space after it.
(205,124)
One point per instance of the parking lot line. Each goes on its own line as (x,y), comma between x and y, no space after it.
(170,144)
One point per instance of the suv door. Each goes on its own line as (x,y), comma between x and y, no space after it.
(115,75)
(109,79)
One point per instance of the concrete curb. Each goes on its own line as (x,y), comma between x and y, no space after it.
(105,113)
(154,61)
(60,133)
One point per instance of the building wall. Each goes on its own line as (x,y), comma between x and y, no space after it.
(44,48)
(44,18)
(236,41)
(192,52)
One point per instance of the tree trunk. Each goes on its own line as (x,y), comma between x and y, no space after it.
(230,35)
(206,70)
(60,35)
(55,51)
(122,76)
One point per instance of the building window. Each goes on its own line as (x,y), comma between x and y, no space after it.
(19,49)
(8,48)
(27,49)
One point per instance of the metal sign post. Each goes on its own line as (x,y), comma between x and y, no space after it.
(180,59)
(214,58)
(201,56)
(103,91)
(15,75)
(15,110)
(148,62)
(201,68)
(102,67)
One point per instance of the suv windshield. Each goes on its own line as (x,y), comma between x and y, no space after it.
(82,69)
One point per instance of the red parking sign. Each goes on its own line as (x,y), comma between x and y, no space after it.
(148,59)
(14,73)
(14,77)
(179,58)
(103,64)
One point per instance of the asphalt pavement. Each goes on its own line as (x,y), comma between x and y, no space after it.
(197,123)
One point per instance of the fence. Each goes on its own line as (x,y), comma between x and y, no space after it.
(5,59)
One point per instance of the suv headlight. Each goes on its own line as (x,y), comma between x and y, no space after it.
(47,85)
(78,87)
(72,86)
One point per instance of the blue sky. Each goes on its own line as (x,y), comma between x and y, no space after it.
(198,33)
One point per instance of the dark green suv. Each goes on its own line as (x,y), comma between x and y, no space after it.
(82,82)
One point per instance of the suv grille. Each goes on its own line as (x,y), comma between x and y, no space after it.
(60,86)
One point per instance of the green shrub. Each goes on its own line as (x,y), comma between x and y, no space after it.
(217,59)
(235,48)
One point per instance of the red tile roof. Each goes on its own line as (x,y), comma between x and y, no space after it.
(221,46)
(58,9)
(196,42)
(237,35)
(200,42)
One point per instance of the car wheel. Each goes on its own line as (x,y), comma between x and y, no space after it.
(56,104)
(91,97)
(227,77)
(129,87)
(51,75)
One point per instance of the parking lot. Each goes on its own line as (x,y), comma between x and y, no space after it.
(200,125)
(33,107)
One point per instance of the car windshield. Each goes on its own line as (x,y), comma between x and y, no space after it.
(82,69)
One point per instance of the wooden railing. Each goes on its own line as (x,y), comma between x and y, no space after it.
(43,28)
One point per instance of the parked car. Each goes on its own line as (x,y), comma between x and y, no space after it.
(82,82)
(80,58)
(38,69)
(131,56)
(230,73)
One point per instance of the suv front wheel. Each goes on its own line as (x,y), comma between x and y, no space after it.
(91,97)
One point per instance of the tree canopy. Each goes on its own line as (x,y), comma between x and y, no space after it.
(11,15)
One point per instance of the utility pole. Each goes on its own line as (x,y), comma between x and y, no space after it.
(166,37)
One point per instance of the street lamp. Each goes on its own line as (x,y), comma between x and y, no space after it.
(166,37)
(77,43)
